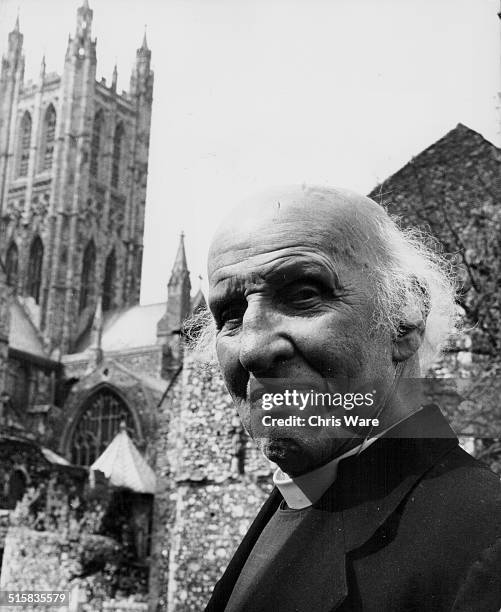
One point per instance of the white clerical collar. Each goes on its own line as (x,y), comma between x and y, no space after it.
(303,491)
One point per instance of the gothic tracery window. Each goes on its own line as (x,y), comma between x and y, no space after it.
(88,275)
(34,277)
(117,154)
(109,281)
(24,145)
(12,264)
(95,143)
(49,138)
(98,425)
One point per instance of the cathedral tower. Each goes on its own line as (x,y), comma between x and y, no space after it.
(499,80)
(11,79)
(73,171)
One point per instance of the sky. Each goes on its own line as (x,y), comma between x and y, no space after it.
(250,94)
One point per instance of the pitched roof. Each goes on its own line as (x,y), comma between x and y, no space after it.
(127,328)
(461,148)
(124,465)
(23,334)
(180,267)
(132,327)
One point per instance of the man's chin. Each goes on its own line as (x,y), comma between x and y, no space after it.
(287,453)
(296,457)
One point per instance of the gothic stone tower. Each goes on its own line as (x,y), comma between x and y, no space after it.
(73,170)
(499,84)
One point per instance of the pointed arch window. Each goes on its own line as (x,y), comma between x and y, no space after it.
(34,277)
(49,137)
(88,275)
(98,425)
(117,154)
(95,143)
(24,144)
(109,281)
(12,264)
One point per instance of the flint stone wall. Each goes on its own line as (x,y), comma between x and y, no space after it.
(213,484)
(49,561)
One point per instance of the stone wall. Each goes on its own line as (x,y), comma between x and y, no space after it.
(211,520)
(212,483)
(142,362)
(64,563)
(147,361)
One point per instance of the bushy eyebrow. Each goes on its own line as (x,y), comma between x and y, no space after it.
(280,274)
(226,288)
(289,271)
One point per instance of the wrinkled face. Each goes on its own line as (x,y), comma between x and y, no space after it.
(292,300)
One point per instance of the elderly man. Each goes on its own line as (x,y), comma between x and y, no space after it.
(316,287)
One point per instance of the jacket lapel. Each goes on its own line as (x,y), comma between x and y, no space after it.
(309,573)
(370,487)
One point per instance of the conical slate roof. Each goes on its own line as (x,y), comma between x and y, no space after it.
(180,267)
(124,465)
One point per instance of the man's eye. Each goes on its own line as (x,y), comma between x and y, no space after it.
(232,314)
(303,295)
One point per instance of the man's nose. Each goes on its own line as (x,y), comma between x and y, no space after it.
(264,342)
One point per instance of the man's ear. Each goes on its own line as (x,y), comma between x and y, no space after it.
(409,337)
(410,334)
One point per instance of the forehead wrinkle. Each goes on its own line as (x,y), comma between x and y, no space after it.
(349,243)
(309,234)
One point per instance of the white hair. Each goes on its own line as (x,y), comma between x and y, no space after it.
(415,274)
(408,271)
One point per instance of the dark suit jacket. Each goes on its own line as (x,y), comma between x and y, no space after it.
(413,523)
